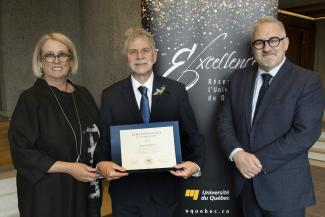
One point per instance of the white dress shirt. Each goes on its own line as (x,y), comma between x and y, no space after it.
(257,87)
(148,84)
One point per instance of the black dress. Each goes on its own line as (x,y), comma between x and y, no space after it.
(40,135)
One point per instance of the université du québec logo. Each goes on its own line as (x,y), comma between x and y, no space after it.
(194,194)
(208,195)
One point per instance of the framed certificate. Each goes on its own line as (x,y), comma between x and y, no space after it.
(146,147)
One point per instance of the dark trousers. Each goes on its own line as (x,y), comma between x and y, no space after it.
(251,208)
(148,208)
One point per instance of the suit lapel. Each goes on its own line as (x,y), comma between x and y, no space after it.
(156,99)
(249,91)
(276,84)
(129,98)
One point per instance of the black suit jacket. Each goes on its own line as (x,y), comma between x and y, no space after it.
(119,107)
(286,125)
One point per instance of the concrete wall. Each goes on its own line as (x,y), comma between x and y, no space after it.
(102,39)
(320,49)
(95,27)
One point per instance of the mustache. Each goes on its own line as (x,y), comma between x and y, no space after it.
(140,62)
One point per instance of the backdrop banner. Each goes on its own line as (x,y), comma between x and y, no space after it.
(200,43)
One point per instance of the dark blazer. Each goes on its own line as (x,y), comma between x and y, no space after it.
(119,107)
(286,125)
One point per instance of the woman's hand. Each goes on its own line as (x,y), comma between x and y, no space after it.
(79,171)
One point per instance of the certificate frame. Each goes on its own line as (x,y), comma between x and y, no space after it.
(115,136)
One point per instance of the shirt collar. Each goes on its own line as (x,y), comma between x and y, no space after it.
(148,84)
(273,71)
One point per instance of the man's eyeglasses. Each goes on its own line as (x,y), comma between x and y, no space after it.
(50,57)
(273,42)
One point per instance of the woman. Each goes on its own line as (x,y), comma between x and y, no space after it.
(53,133)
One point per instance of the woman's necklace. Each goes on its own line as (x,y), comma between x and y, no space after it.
(66,118)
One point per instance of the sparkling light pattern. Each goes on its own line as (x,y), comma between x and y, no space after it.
(185,21)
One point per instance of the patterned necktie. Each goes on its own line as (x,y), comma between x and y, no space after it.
(266,83)
(144,104)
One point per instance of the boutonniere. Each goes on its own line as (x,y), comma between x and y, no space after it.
(160,91)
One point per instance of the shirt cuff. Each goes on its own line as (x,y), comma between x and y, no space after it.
(232,154)
(198,173)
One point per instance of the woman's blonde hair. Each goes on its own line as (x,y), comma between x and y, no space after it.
(37,56)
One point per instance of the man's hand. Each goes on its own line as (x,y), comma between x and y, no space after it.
(247,164)
(185,169)
(110,170)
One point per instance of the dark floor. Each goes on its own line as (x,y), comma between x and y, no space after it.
(317,210)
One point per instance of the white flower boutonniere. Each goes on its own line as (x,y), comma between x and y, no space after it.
(160,91)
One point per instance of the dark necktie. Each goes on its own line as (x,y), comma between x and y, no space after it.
(266,83)
(144,104)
